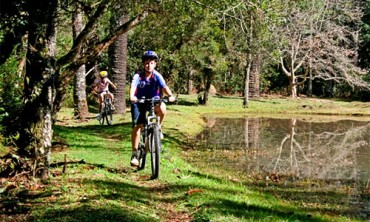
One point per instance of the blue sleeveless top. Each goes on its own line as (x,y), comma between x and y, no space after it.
(148,87)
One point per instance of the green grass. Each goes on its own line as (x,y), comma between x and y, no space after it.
(104,188)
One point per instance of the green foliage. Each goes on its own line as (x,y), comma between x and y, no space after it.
(68,101)
(273,80)
(11,83)
(204,50)
(185,36)
(64,31)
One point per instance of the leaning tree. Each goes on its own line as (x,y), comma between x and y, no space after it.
(47,76)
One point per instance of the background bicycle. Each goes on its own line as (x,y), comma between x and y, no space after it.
(106,114)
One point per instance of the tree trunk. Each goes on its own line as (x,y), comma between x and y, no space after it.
(79,89)
(79,94)
(36,120)
(246,81)
(208,76)
(118,55)
(291,76)
(190,81)
(254,84)
(249,62)
(292,86)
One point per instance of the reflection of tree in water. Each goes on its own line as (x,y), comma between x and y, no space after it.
(229,134)
(293,147)
(322,152)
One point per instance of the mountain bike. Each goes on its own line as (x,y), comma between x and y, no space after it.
(106,114)
(150,140)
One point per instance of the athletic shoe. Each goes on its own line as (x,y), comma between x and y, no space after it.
(134,161)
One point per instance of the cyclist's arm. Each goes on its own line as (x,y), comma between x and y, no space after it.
(164,87)
(133,88)
(133,98)
(113,85)
(168,92)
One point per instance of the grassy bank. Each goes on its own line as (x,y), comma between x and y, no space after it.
(97,184)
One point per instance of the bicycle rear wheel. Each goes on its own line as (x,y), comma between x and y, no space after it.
(155,147)
(109,113)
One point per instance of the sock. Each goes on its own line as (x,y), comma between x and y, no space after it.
(134,153)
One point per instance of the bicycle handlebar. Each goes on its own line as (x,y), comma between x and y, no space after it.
(154,100)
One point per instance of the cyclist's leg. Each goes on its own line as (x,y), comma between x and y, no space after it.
(111,96)
(101,98)
(135,137)
(138,118)
(161,110)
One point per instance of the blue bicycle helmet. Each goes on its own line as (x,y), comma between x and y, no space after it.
(149,55)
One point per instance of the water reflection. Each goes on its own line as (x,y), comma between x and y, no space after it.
(302,149)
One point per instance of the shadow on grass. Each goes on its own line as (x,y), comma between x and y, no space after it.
(186,103)
(83,200)
(108,203)
(94,213)
(243,210)
(104,130)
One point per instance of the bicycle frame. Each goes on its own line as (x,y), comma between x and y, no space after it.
(106,112)
(152,120)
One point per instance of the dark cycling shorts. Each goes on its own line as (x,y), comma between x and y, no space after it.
(138,113)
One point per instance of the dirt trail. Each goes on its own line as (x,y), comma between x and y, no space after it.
(167,206)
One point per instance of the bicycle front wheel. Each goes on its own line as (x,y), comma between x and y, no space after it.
(142,156)
(102,118)
(109,116)
(102,115)
(155,147)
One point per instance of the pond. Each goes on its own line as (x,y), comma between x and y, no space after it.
(326,155)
